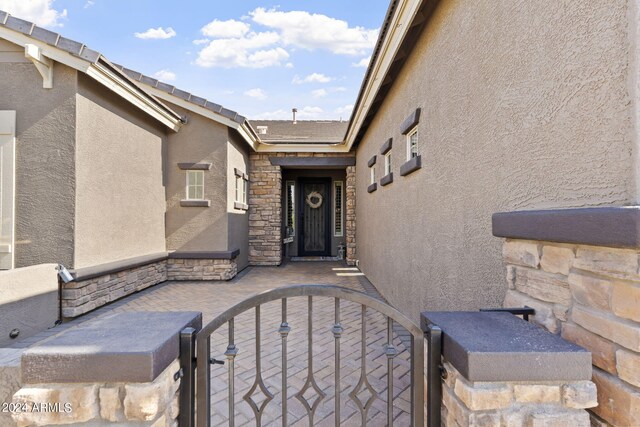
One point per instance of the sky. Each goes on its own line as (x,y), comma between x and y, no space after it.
(259,58)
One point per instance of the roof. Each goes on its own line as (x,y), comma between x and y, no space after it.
(78,56)
(172,90)
(302,132)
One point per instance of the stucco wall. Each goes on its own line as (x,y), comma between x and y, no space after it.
(524,105)
(120,201)
(238,220)
(201,140)
(45,159)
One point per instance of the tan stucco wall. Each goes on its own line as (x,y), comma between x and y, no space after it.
(120,201)
(201,140)
(45,159)
(524,105)
(238,220)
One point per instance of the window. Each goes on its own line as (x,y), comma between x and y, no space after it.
(338,190)
(387,163)
(7,188)
(290,206)
(195,185)
(373,174)
(242,188)
(412,144)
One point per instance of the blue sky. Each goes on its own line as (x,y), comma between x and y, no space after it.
(258,58)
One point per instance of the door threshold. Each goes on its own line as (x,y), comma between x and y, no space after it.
(315,258)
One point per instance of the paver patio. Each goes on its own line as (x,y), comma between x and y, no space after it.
(213,298)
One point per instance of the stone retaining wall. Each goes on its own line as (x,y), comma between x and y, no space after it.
(201,269)
(591,296)
(351,215)
(142,404)
(85,295)
(467,403)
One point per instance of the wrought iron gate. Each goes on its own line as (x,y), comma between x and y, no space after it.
(203,362)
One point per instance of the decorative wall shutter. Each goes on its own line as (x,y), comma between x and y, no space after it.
(7,187)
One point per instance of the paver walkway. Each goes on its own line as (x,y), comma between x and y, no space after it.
(213,298)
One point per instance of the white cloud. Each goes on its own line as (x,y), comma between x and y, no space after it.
(311,78)
(315,31)
(346,110)
(289,65)
(41,12)
(305,113)
(319,93)
(256,93)
(225,29)
(89,3)
(200,41)
(249,51)
(156,34)
(364,62)
(338,89)
(165,75)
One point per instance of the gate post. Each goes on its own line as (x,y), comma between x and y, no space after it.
(188,386)
(433,335)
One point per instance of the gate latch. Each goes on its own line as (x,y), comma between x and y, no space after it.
(213,361)
(178,374)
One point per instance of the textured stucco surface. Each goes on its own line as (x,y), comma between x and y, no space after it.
(524,105)
(45,161)
(238,220)
(28,301)
(201,140)
(120,201)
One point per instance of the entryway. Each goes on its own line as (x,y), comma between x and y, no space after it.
(314,217)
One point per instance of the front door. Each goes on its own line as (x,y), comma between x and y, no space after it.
(314,218)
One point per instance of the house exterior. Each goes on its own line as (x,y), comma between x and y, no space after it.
(466,109)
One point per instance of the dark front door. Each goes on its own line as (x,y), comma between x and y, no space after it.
(314,218)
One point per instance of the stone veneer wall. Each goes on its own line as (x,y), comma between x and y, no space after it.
(201,269)
(531,404)
(86,295)
(265,211)
(142,404)
(351,215)
(591,296)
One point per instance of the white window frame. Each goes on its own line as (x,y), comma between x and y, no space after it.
(373,174)
(337,184)
(7,188)
(413,132)
(387,163)
(290,191)
(241,189)
(245,190)
(190,174)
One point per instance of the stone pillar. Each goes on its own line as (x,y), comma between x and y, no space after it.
(351,215)
(579,270)
(265,211)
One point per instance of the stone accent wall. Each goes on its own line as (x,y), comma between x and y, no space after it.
(142,404)
(86,295)
(201,269)
(351,215)
(265,211)
(591,296)
(530,404)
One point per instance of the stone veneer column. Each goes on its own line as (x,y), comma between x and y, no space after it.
(265,211)
(351,215)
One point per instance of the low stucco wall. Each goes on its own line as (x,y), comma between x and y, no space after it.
(523,106)
(28,301)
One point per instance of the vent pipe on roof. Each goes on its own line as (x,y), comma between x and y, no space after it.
(294,111)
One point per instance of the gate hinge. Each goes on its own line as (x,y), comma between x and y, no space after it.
(216,361)
(178,374)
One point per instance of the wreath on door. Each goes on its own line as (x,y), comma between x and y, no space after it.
(314,200)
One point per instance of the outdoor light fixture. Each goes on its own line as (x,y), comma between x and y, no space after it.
(64,274)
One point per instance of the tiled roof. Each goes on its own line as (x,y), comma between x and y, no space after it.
(302,132)
(49,37)
(202,102)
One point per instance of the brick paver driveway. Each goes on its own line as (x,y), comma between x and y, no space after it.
(213,298)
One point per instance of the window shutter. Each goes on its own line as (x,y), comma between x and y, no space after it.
(7,187)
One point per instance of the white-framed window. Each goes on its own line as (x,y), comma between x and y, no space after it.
(373,175)
(387,163)
(195,185)
(7,188)
(412,144)
(242,189)
(290,208)
(338,207)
